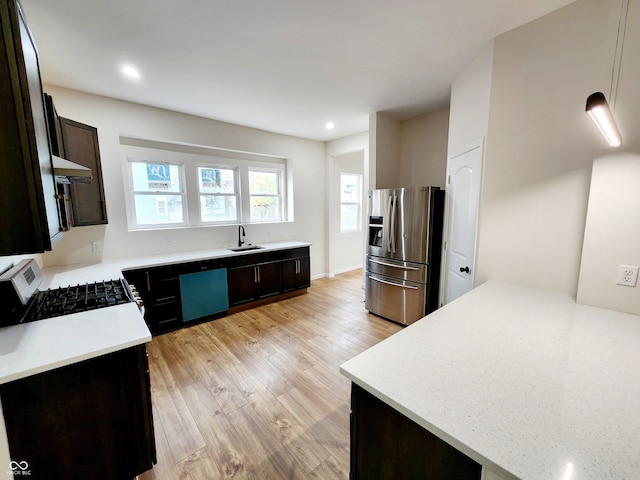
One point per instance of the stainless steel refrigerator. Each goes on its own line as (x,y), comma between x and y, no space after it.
(404,252)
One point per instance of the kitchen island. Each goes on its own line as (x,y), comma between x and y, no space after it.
(524,382)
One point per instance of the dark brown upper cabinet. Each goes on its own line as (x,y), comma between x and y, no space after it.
(29,218)
(80,145)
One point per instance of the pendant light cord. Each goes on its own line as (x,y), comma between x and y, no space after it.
(617,55)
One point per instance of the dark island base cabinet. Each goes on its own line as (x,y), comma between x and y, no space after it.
(254,277)
(386,445)
(87,420)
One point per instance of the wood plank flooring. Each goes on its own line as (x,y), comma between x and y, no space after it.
(258,394)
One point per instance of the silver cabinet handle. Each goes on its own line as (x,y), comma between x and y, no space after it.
(411,287)
(392,265)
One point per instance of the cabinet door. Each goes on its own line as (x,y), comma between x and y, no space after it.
(28,205)
(296,273)
(269,279)
(87,420)
(242,284)
(81,146)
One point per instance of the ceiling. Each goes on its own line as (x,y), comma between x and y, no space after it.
(286,66)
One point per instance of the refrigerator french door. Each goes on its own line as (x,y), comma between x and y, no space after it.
(404,252)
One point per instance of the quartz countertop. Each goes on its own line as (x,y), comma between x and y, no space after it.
(526,382)
(90,272)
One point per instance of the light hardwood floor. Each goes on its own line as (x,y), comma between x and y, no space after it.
(258,394)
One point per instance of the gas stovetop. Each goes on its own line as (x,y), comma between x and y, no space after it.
(21,301)
(79,298)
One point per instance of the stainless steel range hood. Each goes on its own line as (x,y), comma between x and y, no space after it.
(69,172)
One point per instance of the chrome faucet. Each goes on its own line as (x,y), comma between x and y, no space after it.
(241,235)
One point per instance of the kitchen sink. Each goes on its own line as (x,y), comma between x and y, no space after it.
(245,248)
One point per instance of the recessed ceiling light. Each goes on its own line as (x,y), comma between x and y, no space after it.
(130,72)
(329,126)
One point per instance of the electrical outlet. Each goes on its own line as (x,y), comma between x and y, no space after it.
(96,246)
(627,275)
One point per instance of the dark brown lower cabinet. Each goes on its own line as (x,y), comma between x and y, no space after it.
(386,445)
(87,420)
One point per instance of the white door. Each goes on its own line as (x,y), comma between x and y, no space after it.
(463,195)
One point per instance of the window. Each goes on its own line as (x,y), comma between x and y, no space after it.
(218,190)
(265,195)
(177,185)
(350,202)
(158,193)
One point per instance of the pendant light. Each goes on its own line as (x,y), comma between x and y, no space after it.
(597,106)
(599,111)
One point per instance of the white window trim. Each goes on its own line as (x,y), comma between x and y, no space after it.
(280,194)
(190,157)
(236,179)
(130,195)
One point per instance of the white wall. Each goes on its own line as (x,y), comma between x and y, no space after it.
(411,152)
(384,144)
(469,105)
(612,233)
(468,123)
(346,251)
(423,149)
(347,248)
(113,118)
(541,145)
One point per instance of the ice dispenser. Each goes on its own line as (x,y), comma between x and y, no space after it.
(375,231)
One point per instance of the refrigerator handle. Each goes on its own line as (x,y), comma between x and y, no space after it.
(393,284)
(387,224)
(392,229)
(386,264)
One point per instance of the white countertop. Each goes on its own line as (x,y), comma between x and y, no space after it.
(90,272)
(43,345)
(522,380)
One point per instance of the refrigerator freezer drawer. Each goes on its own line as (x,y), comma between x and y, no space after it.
(396,299)
(414,272)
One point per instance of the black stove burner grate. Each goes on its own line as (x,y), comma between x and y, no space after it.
(79,298)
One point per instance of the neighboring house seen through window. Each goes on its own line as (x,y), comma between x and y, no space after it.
(158,192)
